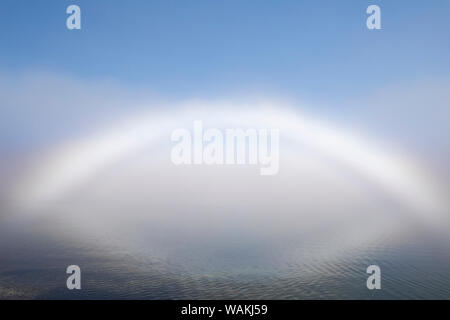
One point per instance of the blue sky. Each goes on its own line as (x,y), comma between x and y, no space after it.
(318,50)
(318,56)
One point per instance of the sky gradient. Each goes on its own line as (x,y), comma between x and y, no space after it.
(317,50)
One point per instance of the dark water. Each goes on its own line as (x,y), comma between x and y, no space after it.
(414,265)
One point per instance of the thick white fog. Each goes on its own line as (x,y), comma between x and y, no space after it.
(336,188)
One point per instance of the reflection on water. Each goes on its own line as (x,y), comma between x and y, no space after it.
(414,265)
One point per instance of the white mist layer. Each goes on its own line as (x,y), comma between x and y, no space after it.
(335,191)
(77,162)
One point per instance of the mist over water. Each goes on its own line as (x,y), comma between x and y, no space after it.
(141,227)
(183,262)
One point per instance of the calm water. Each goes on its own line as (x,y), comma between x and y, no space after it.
(414,265)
